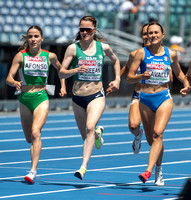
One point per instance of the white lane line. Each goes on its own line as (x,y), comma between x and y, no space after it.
(102,119)
(64,136)
(95,156)
(54,191)
(102,169)
(106,112)
(78,146)
(176,198)
(77,136)
(86,188)
(108,171)
(75,128)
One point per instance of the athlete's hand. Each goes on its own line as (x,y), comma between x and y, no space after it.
(109,91)
(62,92)
(82,69)
(114,85)
(184,91)
(146,75)
(18,85)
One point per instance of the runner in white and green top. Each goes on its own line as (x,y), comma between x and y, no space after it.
(86,56)
(33,64)
(35,69)
(94,63)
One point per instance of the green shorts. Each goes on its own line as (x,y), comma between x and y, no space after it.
(32,100)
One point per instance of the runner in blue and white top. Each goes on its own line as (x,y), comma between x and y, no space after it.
(155,100)
(134,113)
(158,66)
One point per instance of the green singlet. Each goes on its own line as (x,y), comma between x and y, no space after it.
(34,71)
(94,63)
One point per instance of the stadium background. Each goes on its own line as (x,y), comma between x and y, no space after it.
(59,20)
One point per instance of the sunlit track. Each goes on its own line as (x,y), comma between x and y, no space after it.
(102,169)
(88,188)
(105,126)
(113,171)
(103,119)
(79,146)
(107,169)
(96,156)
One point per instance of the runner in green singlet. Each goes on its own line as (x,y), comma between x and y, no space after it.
(86,56)
(33,65)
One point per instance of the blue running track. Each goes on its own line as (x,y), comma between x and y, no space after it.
(112,171)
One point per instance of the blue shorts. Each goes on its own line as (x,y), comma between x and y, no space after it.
(135,95)
(153,101)
(83,101)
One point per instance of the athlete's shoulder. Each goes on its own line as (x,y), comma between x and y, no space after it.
(71,50)
(140,51)
(52,55)
(19,56)
(173,55)
(104,45)
(24,50)
(172,52)
(73,46)
(45,51)
(132,54)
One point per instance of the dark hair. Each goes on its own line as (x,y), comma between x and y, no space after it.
(142,31)
(156,23)
(94,22)
(24,37)
(143,28)
(152,20)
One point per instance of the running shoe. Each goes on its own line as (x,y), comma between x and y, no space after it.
(99,142)
(136,146)
(145,176)
(80,173)
(158,176)
(30,177)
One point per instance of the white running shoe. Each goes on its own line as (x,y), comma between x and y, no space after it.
(158,176)
(136,146)
(30,177)
(99,142)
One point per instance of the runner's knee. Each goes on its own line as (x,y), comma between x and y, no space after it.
(134,125)
(158,135)
(35,133)
(90,129)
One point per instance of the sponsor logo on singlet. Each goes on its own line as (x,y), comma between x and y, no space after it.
(87,62)
(150,57)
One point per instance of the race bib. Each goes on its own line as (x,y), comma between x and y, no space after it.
(94,72)
(36,66)
(159,73)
